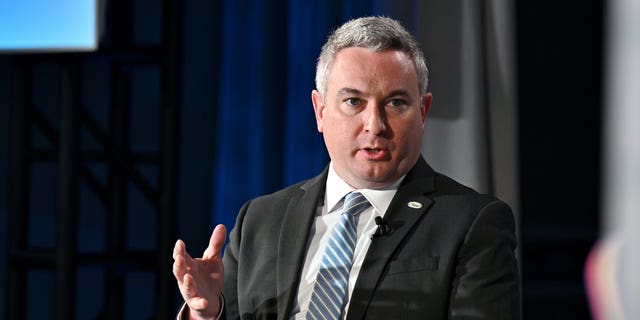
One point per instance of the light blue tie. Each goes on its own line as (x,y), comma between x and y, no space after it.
(330,290)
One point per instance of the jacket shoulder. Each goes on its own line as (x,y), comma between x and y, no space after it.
(447,185)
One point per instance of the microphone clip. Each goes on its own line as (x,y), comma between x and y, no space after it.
(382,228)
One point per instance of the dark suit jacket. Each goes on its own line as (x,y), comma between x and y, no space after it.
(453,258)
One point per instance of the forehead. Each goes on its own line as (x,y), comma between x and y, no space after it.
(366,68)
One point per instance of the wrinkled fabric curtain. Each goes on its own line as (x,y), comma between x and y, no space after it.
(471,131)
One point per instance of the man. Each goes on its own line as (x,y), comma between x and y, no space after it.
(420,246)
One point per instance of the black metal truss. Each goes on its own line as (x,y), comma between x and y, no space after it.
(73,165)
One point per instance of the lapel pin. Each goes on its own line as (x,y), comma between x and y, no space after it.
(414,204)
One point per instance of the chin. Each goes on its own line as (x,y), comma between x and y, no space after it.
(378,177)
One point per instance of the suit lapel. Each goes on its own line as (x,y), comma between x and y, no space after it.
(408,206)
(292,244)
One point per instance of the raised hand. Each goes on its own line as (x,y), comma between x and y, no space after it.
(201,279)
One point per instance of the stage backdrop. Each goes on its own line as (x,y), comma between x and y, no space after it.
(265,134)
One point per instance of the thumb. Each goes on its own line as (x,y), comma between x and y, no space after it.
(218,238)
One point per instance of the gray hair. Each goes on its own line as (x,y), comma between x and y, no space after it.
(375,33)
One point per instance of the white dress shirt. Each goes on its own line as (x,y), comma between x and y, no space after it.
(327,216)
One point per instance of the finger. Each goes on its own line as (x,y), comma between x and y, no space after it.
(191,295)
(218,238)
(178,249)
(179,269)
(181,261)
(198,303)
(189,286)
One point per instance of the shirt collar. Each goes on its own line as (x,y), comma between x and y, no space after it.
(337,188)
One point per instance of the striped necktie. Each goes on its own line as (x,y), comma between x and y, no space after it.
(330,289)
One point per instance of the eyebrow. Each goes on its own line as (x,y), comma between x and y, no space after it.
(352,91)
(349,91)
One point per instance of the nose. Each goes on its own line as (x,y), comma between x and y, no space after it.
(375,120)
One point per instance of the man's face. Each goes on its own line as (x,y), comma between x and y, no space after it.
(372,116)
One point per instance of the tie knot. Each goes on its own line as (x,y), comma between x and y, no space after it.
(354,203)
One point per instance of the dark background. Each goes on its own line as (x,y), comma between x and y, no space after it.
(559,53)
(161,173)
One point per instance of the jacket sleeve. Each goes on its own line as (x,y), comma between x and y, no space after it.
(486,282)
(230,290)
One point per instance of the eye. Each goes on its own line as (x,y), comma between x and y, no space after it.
(352,101)
(397,103)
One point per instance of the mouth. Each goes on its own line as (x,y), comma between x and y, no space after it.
(375,153)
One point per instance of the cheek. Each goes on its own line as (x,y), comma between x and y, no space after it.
(335,133)
(346,128)
(409,133)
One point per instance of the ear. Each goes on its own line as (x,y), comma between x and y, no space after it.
(425,105)
(318,108)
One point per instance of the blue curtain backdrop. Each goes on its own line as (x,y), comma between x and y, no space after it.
(265,132)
